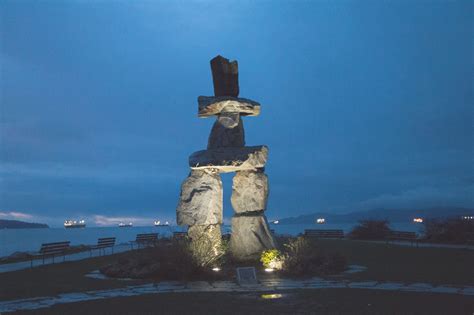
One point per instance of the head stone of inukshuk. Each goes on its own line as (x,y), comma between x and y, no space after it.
(200,205)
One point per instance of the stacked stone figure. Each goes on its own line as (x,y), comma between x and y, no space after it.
(200,205)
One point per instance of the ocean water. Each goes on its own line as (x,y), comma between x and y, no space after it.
(25,240)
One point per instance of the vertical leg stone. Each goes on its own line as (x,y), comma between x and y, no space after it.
(206,243)
(250,236)
(250,232)
(200,201)
(249,191)
(200,207)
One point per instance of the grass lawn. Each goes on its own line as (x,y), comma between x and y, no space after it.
(333,301)
(388,262)
(384,262)
(53,279)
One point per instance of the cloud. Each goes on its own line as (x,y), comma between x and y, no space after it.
(425,196)
(15,215)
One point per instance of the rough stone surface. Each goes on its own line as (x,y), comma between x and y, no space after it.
(230,159)
(201,199)
(229,120)
(206,243)
(250,236)
(225,75)
(249,191)
(209,106)
(228,131)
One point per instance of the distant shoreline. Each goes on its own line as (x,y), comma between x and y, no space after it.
(14,224)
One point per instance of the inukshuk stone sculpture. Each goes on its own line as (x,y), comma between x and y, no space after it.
(200,205)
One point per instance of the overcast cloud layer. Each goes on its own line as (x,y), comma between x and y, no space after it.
(365,104)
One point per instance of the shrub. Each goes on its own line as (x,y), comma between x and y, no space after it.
(173,261)
(448,230)
(302,257)
(272,258)
(370,230)
(206,254)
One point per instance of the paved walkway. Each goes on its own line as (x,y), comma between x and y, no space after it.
(421,244)
(70,257)
(126,247)
(272,285)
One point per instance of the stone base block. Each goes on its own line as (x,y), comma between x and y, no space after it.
(250,236)
(206,243)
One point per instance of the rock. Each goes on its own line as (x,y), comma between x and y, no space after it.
(249,191)
(225,75)
(229,120)
(223,136)
(209,106)
(250,236)
(206,243)
(134,268)
(201,199)
(230,159)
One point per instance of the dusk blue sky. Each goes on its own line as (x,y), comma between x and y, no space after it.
(365,104)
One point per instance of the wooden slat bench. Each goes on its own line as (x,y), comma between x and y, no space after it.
(403,236)
(102,244)
(145,239)
(51,250)
(470,238)
(324,233)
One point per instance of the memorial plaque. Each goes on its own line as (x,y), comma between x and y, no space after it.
(246,275)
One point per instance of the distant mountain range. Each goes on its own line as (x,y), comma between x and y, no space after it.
(13,224)
(391,215)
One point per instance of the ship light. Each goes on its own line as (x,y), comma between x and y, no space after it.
(216,269)
(269,269)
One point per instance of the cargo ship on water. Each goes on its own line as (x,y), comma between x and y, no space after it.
(123,225)
(70,224)
(159,223)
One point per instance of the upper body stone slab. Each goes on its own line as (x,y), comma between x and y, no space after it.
(230,159)
(213,105)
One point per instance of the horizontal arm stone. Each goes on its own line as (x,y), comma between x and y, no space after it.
(230,159)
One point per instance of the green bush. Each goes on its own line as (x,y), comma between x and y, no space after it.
(272,258)
(302,257)
(371,230)
(449,230)
(167,261)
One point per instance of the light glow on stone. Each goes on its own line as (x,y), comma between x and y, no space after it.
(271,296)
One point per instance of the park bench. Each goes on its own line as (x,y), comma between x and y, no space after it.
(179,236)
(51,250)
(324,233)
(102,244)
(470,238)
(403,236)
(145,239)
